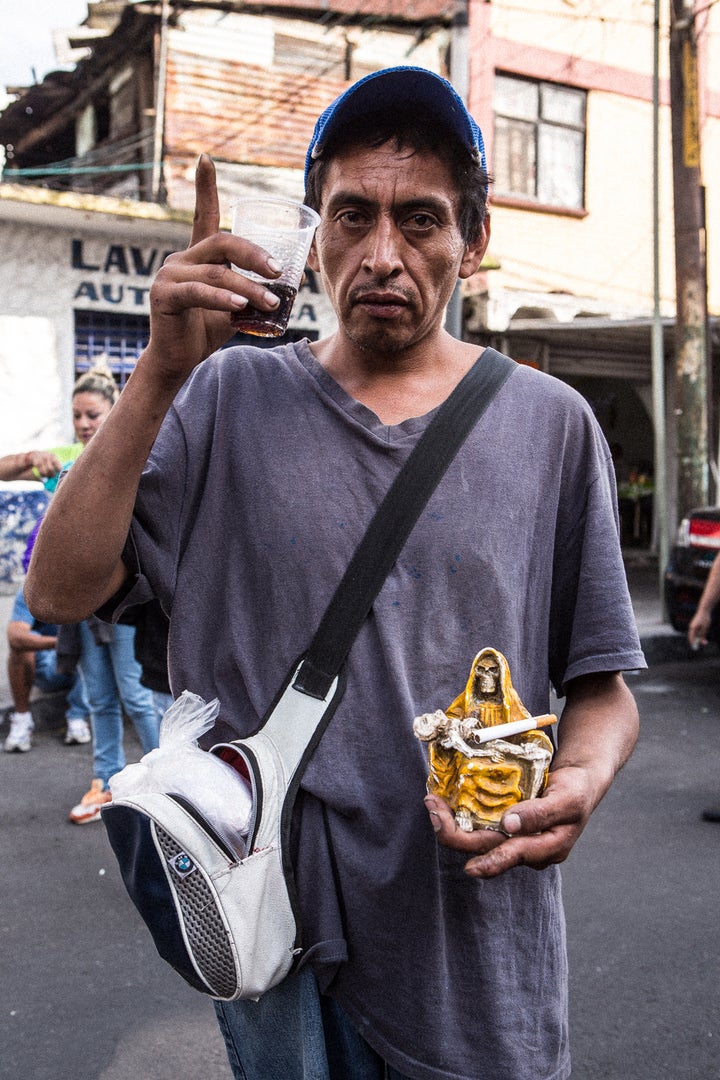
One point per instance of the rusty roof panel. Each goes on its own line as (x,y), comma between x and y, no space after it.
(239,112)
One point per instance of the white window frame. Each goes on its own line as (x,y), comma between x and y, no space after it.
(539,142)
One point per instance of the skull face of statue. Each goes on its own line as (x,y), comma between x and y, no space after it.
(487,680)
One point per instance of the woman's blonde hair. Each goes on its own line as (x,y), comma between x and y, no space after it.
(98,380)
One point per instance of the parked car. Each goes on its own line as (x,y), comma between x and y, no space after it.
(697,544)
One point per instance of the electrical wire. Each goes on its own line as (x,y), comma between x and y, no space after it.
(106,151)
(76,170)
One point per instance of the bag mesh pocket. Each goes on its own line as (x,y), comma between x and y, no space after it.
(207,937)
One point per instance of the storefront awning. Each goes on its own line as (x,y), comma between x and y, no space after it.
(599,346)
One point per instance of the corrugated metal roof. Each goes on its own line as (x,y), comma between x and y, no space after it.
(243,113)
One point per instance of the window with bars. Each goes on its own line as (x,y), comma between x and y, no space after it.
(539,142)
(118,338)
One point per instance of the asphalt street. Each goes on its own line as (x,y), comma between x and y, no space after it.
(642,888)
(84,996)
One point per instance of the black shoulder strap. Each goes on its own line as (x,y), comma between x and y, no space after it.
(395,519)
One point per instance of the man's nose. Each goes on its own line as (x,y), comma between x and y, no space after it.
(382,255)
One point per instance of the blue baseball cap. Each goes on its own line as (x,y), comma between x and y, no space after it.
(397,87)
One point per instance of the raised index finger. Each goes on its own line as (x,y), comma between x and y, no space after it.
(206,220)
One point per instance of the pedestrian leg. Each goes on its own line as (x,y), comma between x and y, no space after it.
(137,700)
(102,693)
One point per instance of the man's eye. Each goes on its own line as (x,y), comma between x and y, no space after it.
(352,218)
(421,222)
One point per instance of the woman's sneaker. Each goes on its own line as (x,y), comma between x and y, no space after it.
(89,807)
(78,733)
(19,737)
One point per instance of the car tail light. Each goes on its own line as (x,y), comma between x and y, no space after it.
(702,533)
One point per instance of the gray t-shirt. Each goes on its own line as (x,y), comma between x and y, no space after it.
(259,487)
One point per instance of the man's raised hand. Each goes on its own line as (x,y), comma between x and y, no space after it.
(195,292)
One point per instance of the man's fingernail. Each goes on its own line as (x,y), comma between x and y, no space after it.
(271,298)
(511,823)
(274,266)
(430,805)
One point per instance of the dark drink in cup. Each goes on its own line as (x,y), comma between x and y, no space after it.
(284,229)
(251,320)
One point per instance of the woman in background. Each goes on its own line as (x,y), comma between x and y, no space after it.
(105,653)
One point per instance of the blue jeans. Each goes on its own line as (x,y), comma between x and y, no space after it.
(162,703)
(112,679)
(47,679)
(296,1033)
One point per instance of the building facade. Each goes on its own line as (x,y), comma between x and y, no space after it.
(98,180)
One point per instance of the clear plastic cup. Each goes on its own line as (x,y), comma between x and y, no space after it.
(285,229)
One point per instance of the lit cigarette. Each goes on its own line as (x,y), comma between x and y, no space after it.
(517,727)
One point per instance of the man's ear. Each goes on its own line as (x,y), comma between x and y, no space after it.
(312,259)
(475,251)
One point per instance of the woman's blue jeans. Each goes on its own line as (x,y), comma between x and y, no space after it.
(112,681)
(295,1033)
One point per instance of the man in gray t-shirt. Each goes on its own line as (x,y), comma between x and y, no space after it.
(236,488)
